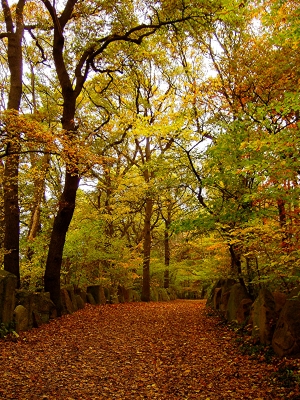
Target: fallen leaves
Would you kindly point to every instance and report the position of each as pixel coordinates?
(161, 351)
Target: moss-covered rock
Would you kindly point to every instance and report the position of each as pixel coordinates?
(90, 299)
(79, 301)
(21, 318)
(71, 292)
(286, 338)
(8, 284)
(39, 306)
(264, 316)
(219, 295)
(98, 294)
(237, 293)
(67, 304)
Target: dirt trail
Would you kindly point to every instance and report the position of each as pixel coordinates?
(149, 351)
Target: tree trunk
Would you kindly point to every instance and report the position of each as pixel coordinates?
(1, 208)
(283, 224)
(147, 250)
(236, 265)
(39, 192)
(66, 207)
(58, 237)
(11, 215)
(11, 169)
(167, 255)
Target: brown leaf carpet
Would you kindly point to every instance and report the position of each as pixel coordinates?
(165, 351)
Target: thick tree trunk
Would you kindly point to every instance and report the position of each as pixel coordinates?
(147, 250)
(58, 237)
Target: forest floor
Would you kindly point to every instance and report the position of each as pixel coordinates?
(167, 351)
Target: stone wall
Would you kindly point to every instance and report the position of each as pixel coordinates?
(274, 318)
(26, 309)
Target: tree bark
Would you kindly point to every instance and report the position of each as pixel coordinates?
(147, 250)
(167, 254)
(11, 169)
(67, 201)
(58, 237)
(39, 192)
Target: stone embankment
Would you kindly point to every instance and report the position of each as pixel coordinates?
(273, 317)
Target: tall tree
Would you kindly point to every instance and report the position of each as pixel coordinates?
(14, 24)
(72, 71)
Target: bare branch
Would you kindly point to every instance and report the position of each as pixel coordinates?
(44, 58)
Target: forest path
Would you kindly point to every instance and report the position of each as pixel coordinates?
(166, 351)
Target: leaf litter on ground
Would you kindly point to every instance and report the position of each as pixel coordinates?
(166, 350)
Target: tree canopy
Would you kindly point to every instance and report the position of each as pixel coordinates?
(149, 145)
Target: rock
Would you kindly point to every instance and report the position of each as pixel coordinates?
(90, 299)
(280, 299)
(97, 292)
(80, 302)
(38, 305)
(25, 299)
(226, 285)
(286, 338)
(243, 311)
(44, 306)
(8, 285)
(82, 293)
(237, 293)
(21, 318)
(71, 293)
(67, 305)
(215, 299)
(37, 320)
(264, 316)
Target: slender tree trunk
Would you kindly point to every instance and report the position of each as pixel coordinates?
(236, 265)
(147, 250)
(167, 255)
(283, 224)
(39, 192)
